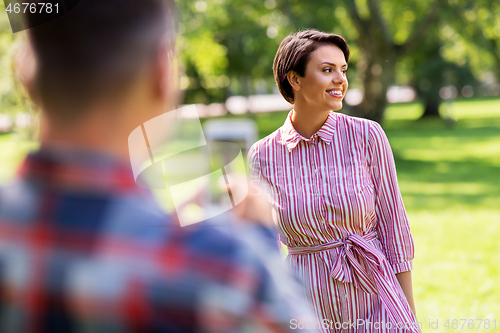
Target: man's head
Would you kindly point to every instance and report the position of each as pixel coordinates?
(96, 52)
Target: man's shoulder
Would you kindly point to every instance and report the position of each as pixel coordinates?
(19, 201)
(126, 226)
(25, 203)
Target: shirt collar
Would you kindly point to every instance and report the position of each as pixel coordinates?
(69, 167)
(291, 138)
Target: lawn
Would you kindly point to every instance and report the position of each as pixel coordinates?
(450, 181)
(449, 177)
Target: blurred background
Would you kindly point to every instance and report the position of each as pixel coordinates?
(428, 70)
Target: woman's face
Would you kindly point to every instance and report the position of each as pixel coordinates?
(324, 84)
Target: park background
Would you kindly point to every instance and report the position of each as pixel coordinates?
(445, 137)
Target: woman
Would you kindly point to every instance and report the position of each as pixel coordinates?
(336, 199)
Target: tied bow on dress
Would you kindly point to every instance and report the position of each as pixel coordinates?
(359, 262)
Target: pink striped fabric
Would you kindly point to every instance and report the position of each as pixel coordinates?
(338, 208)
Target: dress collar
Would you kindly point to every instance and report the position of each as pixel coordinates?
(291, 137)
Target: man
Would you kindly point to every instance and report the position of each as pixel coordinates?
(82, 247)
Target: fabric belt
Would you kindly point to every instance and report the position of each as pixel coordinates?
(357, 261)
(361, 263)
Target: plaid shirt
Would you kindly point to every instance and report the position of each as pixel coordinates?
(84, 249)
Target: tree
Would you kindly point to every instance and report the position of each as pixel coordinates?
(379, 32)
(227, 46)
(8, 95)
(475, 36)
(387, 31)
(464, 47)
(430, 72)
(246, 34)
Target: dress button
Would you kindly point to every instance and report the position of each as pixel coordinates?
(346, 296)
(318, 195)
(315, 170)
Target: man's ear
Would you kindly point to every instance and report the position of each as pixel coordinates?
(294, 80)
(25, 69)
(166, 75)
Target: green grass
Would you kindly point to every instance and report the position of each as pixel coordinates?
(449, 178)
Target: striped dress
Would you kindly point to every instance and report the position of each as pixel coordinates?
(338, 208)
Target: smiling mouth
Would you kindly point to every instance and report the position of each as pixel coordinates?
(335, 93)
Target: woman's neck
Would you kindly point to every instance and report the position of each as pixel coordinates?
(306, 121)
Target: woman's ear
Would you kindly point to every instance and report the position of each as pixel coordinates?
(293, 79)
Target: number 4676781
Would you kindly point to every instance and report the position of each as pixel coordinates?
(470, 324)
(33, 8)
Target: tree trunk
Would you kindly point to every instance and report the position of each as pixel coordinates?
(380, 54)
(431, 107)
(378, 73)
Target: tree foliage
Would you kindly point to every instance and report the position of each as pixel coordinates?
(227, 46)
(472, 31)
(418, 41)
(9, 97)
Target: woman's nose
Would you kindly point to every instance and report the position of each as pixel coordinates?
(339, 77)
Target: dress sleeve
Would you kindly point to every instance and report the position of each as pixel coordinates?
(393, 228)
(258, 185)
(254, 163)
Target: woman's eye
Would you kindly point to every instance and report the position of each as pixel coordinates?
(327, 70)
(344, 71)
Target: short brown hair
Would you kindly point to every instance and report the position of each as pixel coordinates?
(294, 53)
(96, 50)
